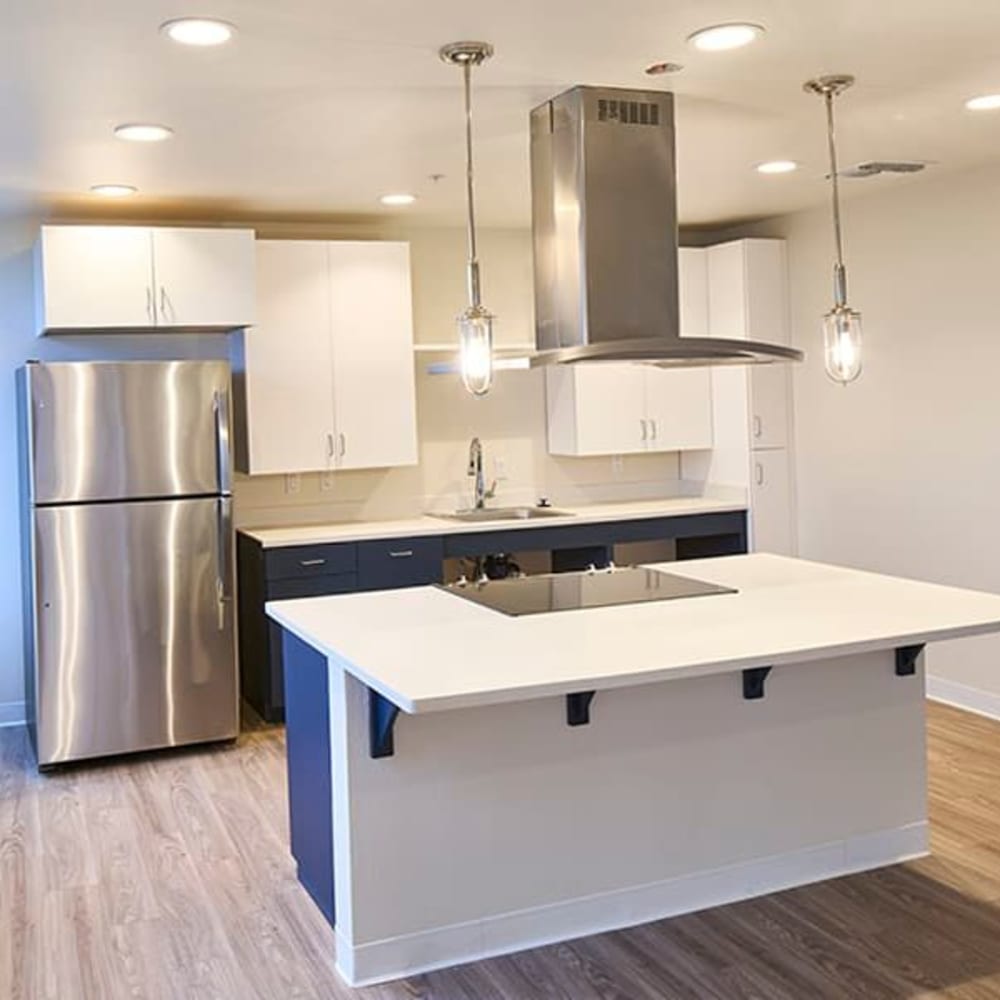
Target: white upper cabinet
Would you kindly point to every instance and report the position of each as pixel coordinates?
(748, 300)
(141, 278)
(692, 283)
(204, 277)
(678, 408)
(623, 409)
(373, 369)
(327, 375)
(287, 360)
(94, 277)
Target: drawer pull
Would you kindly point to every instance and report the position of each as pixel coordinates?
(312, 562)
(402, 554)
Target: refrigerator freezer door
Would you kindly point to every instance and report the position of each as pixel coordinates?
(134, 625)
(119, 431)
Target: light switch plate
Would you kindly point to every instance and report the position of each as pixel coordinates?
(617, 466)
(326, 482)
(293, 483)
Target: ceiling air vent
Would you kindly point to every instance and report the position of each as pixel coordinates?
(628, 112)
(872, 168)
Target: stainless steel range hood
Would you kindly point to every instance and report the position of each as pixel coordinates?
(604, 221)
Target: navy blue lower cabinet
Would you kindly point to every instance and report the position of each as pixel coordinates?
(387, 564)
(310, 784)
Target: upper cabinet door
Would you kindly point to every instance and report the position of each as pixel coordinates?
(769, 392)
(287, 362)
(692, 288)
(94, 277)
(374, 388)
(204, 278)
(596, 409)
(747, 291)
(678, 409)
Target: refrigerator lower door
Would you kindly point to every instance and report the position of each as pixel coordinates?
(134, 627)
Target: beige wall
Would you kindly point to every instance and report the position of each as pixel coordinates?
(510, 420)
(900, 472)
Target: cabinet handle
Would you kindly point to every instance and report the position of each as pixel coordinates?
(163, 302)
(758, 427)
(645, 432)
(652, 430)
(402, 554)
(343, 443)
(329, 446)
(312, 562)
(149, 304)
(759, 474)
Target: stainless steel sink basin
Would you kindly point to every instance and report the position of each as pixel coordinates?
(503, 514)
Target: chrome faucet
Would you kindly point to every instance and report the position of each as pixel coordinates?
(481, 493)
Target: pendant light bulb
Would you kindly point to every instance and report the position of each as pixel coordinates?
(842, 324)
(475, 324)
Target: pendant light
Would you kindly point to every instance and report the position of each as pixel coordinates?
(475, 324)
(841, 325)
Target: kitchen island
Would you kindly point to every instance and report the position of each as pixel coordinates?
(466, 783)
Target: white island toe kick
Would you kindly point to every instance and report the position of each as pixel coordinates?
(490, 824)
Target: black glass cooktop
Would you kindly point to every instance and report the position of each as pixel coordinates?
(539, 595)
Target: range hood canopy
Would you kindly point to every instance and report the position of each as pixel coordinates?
(604, 224)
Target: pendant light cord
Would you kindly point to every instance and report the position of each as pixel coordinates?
(839, 271)
(474, 290)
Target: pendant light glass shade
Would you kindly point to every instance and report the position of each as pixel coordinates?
(842, 344)
(475, 337)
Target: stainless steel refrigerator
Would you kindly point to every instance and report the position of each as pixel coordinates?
(128, 557)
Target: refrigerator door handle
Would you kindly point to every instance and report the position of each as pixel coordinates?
(223, 568)
(222, 456)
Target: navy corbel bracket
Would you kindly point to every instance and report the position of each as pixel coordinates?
(906, 660)
(381, 720)
(753, 682)
(578, 708)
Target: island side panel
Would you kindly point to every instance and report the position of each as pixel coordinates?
(498, 828)
(310, 795)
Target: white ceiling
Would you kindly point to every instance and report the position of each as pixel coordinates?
(318, 107)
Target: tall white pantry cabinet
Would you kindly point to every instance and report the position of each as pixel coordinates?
(326, 378)
(747, 297)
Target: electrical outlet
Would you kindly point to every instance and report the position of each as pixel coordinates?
(293, 483)
(326, 482)
(499, 467)
(617, 466)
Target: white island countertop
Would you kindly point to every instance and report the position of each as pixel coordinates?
(428, 650)
(427, 524)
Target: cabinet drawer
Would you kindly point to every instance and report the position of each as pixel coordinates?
(310, 560)
(311, 586)
(399, 562)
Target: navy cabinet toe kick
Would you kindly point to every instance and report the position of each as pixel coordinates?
(387, 563)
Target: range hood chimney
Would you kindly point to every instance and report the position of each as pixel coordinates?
(604, 222)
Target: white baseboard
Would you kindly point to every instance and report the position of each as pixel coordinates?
(963, 696)
(440, 947)
(11, 713)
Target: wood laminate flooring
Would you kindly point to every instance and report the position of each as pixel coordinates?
(169, 877)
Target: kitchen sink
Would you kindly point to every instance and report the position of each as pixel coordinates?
(503, 514)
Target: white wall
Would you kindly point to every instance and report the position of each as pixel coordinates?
(17, 344)
(900, 472)
(511, 420)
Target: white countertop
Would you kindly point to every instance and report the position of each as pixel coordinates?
(353, 531)
(428, 650)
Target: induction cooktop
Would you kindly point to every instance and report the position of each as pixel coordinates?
(546, 593)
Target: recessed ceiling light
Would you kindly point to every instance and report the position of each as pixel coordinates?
(136, 132)
(201, 31)
(988, 102)
(398, 199)
(720, 37)
(777, 167)
(114, 190)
